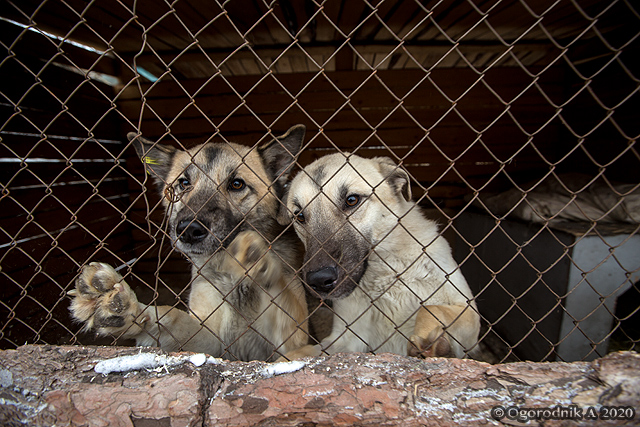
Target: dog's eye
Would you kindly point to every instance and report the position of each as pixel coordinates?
(183, 183)
(299, 216)
(237, 185)
(352, 201)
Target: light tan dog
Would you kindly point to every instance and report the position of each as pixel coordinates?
(221, 201)
(390, 276)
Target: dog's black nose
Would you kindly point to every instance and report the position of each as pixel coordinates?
(191, 231)
(322, 280)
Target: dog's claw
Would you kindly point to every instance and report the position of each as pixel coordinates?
(436, 345)
(102, 300)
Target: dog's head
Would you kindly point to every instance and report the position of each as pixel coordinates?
(215, 190)
(342, 206)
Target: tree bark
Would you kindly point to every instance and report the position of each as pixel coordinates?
(47, 385)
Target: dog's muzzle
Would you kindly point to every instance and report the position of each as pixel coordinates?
(328, 277)
(191, 231)
(203, 236)
(323, 280)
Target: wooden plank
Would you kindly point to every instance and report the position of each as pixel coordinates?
(346, 120)
(52, 86)
(502, 140)
(55, 18)
(44, 123)
(71, 193)
(54, 213)
(165, 25)
(326, 96)
(370, 97)
(22, 261)
(58, 261)
(38, 172)
(210, 20)
(453, 82)
(328, 21)
(59, 221)
(74, 243)
(29, 44)
(22, 144)
(39, 111)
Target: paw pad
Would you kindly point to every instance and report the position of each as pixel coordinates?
(102, 300)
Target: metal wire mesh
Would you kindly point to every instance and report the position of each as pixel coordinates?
(516, 122)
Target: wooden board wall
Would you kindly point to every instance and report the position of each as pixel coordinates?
(444, 127)
(454, 130)
(62, 206)
(81, 196)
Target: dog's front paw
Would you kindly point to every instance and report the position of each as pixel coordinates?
(435, 344)
(103, 301)
(304, 351)
(249, 254)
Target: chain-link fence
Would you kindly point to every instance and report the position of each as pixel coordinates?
(514, 122)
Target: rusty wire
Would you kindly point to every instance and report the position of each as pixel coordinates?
(64, 207)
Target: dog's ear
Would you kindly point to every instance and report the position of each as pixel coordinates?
(284, 217)
(397, 177)
(280, 154)
(156, 157)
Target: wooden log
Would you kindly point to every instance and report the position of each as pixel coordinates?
(46, 385)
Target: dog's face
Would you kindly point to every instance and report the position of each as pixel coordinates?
(342, 206)
(214, 191)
